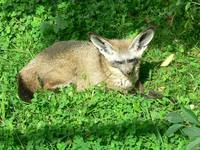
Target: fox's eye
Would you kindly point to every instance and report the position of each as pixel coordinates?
(119, 62)
(134, 60)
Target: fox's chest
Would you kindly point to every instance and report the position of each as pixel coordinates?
(116, 80)
(120, 83)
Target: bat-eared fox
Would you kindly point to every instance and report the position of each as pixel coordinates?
(116, 62)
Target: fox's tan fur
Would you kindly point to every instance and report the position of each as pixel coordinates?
(81, 63)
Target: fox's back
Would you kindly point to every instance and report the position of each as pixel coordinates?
(64, 53)
(79, 58)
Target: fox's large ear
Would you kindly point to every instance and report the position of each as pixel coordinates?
(141, 42)
(103, 46)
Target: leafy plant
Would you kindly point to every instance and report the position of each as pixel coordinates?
(187, 122)
(96, 118)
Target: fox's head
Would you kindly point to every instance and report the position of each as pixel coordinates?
(123, 54)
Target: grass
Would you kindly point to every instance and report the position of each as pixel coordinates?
(95, 118)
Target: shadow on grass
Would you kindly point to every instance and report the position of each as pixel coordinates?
(89, 132)
(146, 67)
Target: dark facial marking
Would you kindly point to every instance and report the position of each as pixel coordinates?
(120, 62)
(134, 60)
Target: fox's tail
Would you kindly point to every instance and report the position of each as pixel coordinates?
(23, 90)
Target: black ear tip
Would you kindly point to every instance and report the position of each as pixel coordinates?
(91, 34)
(150, 30)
